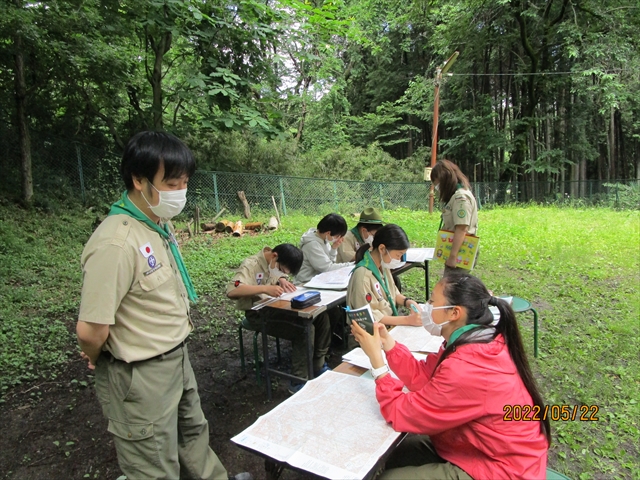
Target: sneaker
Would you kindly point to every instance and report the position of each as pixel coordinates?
(241, 476)
(295, 387)
(324, 368)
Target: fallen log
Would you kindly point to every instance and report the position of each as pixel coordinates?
(207, 227)
(237, 229)
(224, 226)
(253, 226)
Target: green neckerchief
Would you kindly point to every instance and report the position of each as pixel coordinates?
(356, 234)
(456, 334)
(125, 206)
(368, 263)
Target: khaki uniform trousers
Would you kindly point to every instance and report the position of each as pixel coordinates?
(416, 459)
(156, 419)
(320, 332)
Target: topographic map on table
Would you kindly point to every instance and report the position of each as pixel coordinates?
(332, 428)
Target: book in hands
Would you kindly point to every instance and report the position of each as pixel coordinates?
(362, 316)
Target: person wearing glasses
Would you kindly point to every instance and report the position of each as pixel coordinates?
(454, 410)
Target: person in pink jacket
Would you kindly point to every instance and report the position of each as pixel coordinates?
(455, 408)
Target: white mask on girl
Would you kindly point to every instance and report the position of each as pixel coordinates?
(427, 320)
(171, 202)
(392, 264)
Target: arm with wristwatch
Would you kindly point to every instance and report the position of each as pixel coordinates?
(370, 344)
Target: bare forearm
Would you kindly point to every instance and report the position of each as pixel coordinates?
(91, 338)
(458, 239)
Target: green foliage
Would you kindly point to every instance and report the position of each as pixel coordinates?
(39, 291)
(573, 264)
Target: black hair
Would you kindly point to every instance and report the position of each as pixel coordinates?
(448, 176)
(464, 290)
(146, 151)
(369, 227)
(289, 256)
(391, 236)
(334, 224)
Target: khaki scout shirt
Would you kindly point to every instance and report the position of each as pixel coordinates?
(131, 282)
(347, 249)
(253, 271)
(365, 289)
(461, 210)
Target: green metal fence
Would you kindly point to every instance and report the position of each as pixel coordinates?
(66, 169)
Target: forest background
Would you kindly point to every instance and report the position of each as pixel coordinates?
(543, 91)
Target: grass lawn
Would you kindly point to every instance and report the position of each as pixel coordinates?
(579, 267)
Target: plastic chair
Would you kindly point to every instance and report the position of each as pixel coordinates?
(553, 475)
(521, 305)
(256, 355)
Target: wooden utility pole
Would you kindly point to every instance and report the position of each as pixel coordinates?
(436, 107)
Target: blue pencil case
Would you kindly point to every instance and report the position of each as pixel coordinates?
(305, 300)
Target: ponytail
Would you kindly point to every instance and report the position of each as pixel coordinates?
(360, 252)
(467, 291)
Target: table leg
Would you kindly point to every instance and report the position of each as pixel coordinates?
(426, 280)
(273, 469)
(265, 358)
(309, 332)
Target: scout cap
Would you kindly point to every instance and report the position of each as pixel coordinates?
(370, 216)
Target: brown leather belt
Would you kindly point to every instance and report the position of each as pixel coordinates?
(110, 356)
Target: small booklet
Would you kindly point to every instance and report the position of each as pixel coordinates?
(363, 316)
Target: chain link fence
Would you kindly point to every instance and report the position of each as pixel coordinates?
(65, 170)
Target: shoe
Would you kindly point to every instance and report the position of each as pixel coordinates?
(324, 368)
(295, 387)
(241, 476)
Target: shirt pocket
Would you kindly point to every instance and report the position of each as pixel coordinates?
(152, 281)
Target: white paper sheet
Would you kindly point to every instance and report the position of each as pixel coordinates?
(419, 255)
(358, 358)
(331, 280)
(416, 339)
(332, 428)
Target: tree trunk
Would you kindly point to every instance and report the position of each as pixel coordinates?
(23, 122)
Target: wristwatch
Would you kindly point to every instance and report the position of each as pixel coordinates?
(378, 372)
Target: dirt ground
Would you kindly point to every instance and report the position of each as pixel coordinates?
(54, 429)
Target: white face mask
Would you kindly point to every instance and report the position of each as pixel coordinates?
(369, 239)
(171, 202)
(427, 320)
(392, 264)
(275, 272)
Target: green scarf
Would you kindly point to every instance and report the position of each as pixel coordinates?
(456, 334)
(124, 206)
(368, 263)
(356, 234)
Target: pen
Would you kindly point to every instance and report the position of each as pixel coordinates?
(414, 308)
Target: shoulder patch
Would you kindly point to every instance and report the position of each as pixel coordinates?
(368, 297)
(462, 213)
(236, 283)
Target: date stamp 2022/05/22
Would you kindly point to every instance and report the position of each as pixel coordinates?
(564, 413)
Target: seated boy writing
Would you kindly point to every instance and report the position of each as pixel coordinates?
(266, 274)
(320, 247)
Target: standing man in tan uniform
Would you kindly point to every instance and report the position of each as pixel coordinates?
(370, 222)
(266, 274)
(134, 320)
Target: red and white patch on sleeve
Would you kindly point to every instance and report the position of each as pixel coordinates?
(146, 250)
